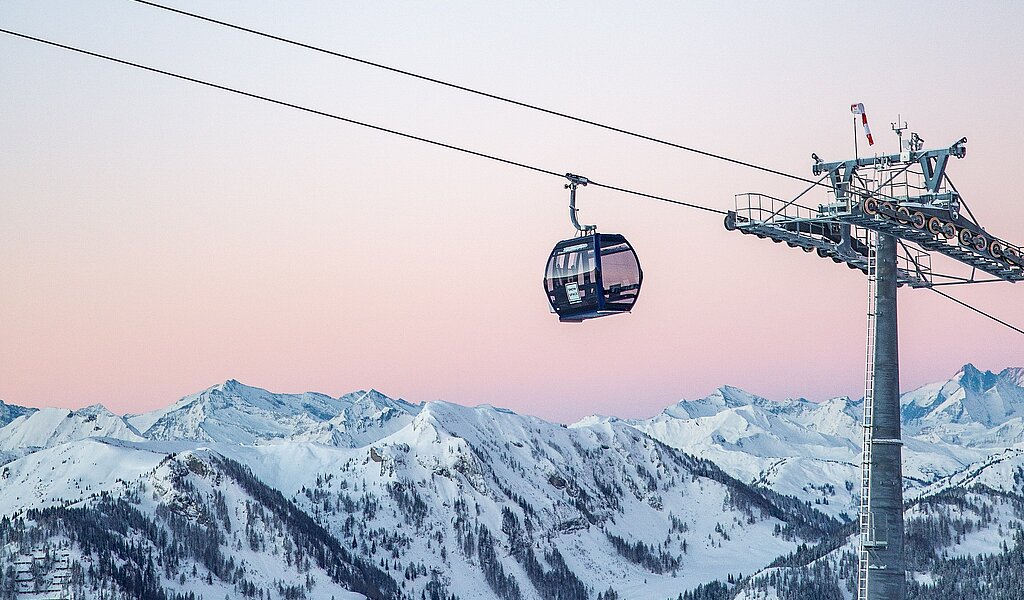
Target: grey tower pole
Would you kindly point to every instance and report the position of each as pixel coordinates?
(883, 542)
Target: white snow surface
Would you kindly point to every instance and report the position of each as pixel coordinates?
(812, 450)
(10, 412)
(971, 397)
(975, 498)
(239, 414)
(71, 472)
(53, 426)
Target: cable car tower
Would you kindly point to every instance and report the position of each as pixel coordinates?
(886, 215)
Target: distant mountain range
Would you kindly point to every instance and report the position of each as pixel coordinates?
(711, 496)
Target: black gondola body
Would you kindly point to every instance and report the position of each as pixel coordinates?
(592, 276)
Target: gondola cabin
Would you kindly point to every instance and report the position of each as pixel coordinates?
(592, 276)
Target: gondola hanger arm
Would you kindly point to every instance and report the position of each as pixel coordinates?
(574, 182)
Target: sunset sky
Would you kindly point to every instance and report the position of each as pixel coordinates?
(158, 237)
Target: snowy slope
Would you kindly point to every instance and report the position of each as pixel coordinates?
(812, 450)
(367, 417)
(71, 472)
(970, 402)
(723, 398)
(214, 531)
(975, 516)
(235, 413)
(53, 426)
(454, 464)
(10, 412)
(763, 447)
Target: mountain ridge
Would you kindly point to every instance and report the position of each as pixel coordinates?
(481, 501)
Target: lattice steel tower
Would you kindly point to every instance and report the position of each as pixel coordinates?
(885, 215)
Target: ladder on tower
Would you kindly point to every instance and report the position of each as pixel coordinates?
(866, 541)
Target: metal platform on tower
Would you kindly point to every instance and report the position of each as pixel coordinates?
(906, 195)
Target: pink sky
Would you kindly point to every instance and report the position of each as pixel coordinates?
(157, 237)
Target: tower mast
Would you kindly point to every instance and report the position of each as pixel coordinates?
(881, 568)
(887, 215)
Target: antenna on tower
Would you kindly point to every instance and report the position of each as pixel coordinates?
(899, 127)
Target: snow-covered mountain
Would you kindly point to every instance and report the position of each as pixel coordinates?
(53, 426)
(964, 539)
(313, 495)
(9, 412)
(812, 450)
(972, 408)
(477, 502)
(367, 417)
(236, 413)
(763, 443)
(232, 412)
(970, 396)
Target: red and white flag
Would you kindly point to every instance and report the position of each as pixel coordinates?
(858, 109)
